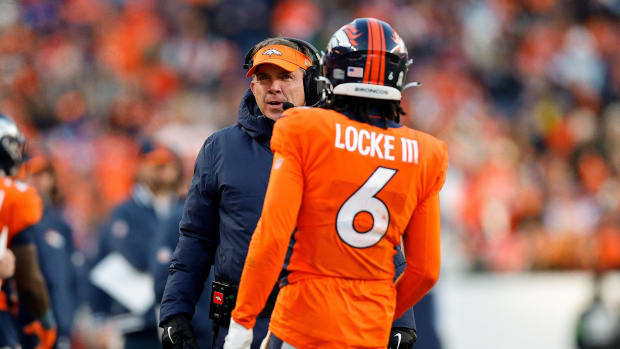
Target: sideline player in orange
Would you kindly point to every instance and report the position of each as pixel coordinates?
(347, 183)
(20, 210)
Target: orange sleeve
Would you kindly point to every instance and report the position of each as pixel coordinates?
(439, 166)
(421, 240)
(422, 252)
(272, 235)
(27, 211)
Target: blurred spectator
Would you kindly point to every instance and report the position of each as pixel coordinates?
(133, 226)
(55, 249)
(163, 247)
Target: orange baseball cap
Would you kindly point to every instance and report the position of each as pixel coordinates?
(283, 56)
(158, 156)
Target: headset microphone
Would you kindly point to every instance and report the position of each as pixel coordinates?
(287, 105)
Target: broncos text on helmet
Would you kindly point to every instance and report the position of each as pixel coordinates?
(11, 146)
(366, 58)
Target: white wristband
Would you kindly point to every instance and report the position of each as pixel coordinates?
(238, 336)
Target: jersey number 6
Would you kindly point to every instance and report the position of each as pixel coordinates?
(364, 201)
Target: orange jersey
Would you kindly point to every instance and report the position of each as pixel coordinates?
(20, 206)
(351, 189)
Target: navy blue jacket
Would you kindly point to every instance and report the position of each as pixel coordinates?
(131, 231)
(55, 248)
(54, 241)
(222, 208)
(164, 244)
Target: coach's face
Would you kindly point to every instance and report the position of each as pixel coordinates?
(273, 86)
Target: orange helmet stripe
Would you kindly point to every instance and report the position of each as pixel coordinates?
(368, 65)
(376, 46)
(381, 76)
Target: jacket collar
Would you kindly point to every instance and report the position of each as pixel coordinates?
(252, 120)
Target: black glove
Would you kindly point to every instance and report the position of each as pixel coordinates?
(178, 333)
(402, 338)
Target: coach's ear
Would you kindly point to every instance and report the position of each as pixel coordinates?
(252, 84)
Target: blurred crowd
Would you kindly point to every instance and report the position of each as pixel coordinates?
(525, 93)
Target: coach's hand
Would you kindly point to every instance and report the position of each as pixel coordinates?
(402, 338)
(178, 333)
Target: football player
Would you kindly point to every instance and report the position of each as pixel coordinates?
(20, 211)
(348, 183)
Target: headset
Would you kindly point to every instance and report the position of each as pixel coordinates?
(313, 90)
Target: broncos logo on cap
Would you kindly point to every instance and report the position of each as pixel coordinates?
(272, 51)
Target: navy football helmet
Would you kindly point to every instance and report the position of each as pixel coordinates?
(12, 144)
(366, 58)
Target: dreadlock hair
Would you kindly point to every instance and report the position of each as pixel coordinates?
(360, 108)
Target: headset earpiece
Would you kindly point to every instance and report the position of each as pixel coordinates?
(311, 86)
(248, 61)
